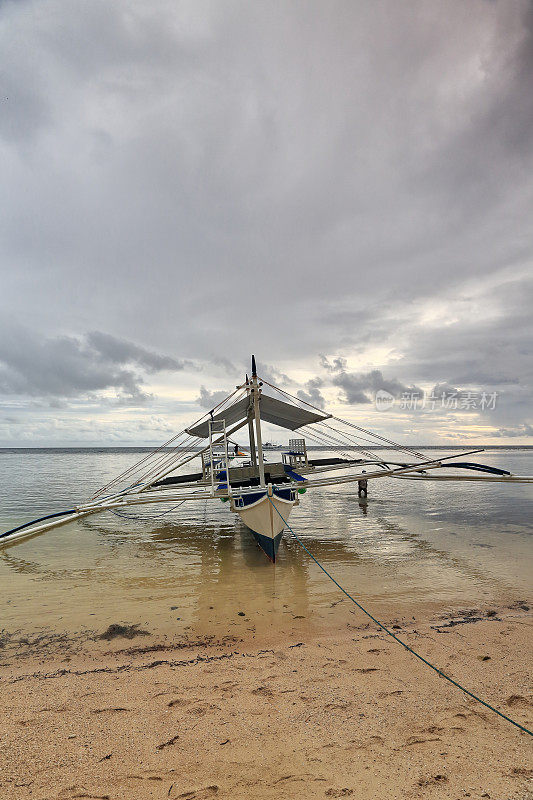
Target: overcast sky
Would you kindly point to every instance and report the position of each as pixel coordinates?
(343, 188)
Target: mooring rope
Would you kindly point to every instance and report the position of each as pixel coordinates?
(393, 635)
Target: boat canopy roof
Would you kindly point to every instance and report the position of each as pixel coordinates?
(285, 415)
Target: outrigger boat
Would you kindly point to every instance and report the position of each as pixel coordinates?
(262, 493)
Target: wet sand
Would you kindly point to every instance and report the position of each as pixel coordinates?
(311, 711)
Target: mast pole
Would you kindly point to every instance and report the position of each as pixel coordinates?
(253, 454)
(256, 393)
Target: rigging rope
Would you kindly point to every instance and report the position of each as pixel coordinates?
(393, 444)
(178, 451)
(170, 465)
(390, 442)
(131, 470)
(396, 638)
(336, 443)
(322, 441)
(164, 452)
(326, 438)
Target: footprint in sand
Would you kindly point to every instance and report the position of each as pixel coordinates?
(522, 772)
(433, 729)
(417, 740)
(362, 745)
(198, 794)
(432, 780)
(108, 710)
(201, 710)
(517, 700)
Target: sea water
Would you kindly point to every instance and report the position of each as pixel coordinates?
(410, 544)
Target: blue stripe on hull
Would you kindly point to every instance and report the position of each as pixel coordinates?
(252, 497)
(268, 545)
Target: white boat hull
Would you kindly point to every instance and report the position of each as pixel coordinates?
(260, 515)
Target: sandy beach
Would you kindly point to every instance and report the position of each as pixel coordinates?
(334, 711)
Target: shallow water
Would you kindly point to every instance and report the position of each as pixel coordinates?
(411, 544)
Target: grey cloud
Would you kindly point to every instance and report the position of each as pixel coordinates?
(134, 396)
(119, 351)
(481, 340)
(228, 366)
(444, 390)
(57, 402)
(360, 387)
(518, 431)
(311, 393)
(336, 365)
(488, 352)
(272, 374)
(69, 367)
(209, 399)
(501, 120)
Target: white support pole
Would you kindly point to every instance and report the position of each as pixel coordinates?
(226, 455)
(256, 394)
(211, 458)
(251, 437)
(253, 454)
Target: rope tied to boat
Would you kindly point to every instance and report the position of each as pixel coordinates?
(397, 638)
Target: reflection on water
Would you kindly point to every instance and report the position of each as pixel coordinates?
(409, 543)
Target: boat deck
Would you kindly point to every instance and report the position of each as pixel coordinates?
(249, 475)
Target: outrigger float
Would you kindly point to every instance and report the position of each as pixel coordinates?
(260, 492)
